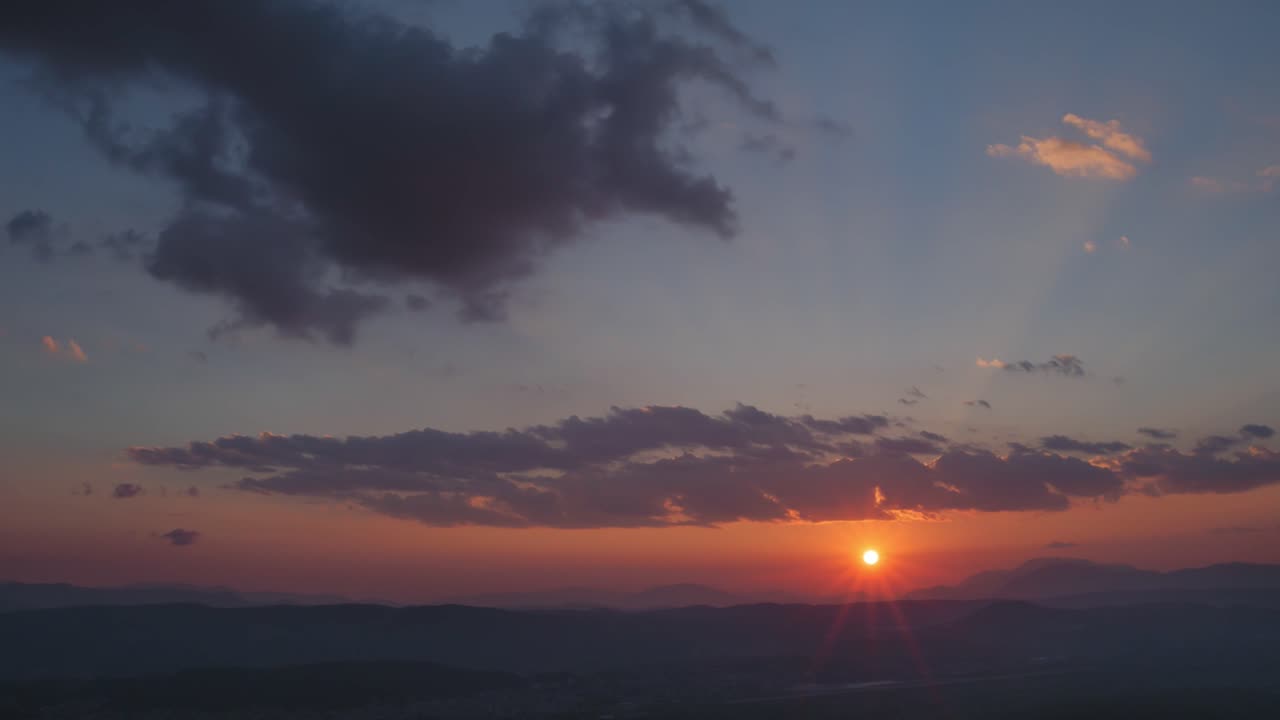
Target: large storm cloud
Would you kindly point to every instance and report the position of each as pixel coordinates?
(333, 154)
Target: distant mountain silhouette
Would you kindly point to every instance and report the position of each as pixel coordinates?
(1081, 582)
(655, 598)
(34, 596)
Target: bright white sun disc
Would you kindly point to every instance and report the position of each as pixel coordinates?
(871, 557)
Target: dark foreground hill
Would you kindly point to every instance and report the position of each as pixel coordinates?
(123, 641)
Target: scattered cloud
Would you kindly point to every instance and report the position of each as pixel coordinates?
(1071, 158)
(1090, 246)
(180, 537)
(1172, 471)
(1111, 135)
(978, 403)
(1062, 443)
(32, 229)
(915, 392)
(1261, 432)
(1060, 545)
(1158, 433)
(125, 245)
(1214, 444)
(652, 466)
(124, 491)
(769, 145)
(907, 401)
(305, 222)
(1265, 182)
(1067, 365)
(658, 466)
(75, 352)
(70, 349)
(1124, 242)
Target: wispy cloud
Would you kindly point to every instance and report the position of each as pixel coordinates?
(75, 352)
(1111, 135)
(1158, 433)
(1063, 364)
(70, 349)
(180, 537)
(1072, 158)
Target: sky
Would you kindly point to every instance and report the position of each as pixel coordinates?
(413, 300)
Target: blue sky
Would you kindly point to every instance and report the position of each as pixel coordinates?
(892, 256)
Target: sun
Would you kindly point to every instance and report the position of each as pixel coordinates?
(870, 557)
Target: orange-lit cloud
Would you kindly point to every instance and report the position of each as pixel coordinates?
(75, 352)
(1067, 158)
(1071, 158)
(1090, 246)
(992, 363)
(71, 349)
(1110, 134)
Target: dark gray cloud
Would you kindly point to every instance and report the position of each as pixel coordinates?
(1060, 545)
(1261, 432)
(979, 403)
(908, 445)
(662, 465)
(416, 303)
(1171, 471)
(1066, 365)
(125, 245)
(1158, 433)
(333, 150)
(181, 537)
(32, 229)
(907, 401)
(742, 464)
(853, 424)
(1062, 443)
(1215, 444)
(770, 145)
(915, 392)
(125, 491)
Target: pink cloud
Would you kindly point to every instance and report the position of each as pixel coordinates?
(76, 353)
(71, 349)
(1110, 134)
(1072, 158)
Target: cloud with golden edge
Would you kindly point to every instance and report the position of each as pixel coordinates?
(1072, 158)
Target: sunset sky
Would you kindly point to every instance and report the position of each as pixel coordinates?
(414, 300)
